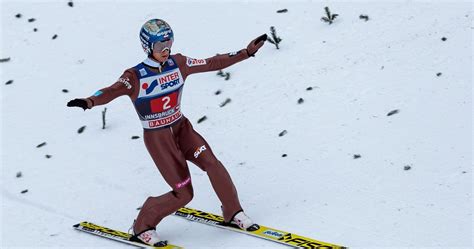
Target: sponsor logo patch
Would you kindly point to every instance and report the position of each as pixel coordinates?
(169, 80)
(164, 33)
(202, 220)
(163, 121)
(183, 183)
(233, 53)
(144, 35)
(273, 233)
(142, 72)
(300, 241)
(165, 81)
(126, 82)
(199, 151)
(150, 87)
(195, 62)
(98, 93)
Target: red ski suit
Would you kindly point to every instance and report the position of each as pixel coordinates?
(155, 90)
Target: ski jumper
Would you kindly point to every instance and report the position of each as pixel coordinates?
(155, 90)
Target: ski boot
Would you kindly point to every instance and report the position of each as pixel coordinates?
(149, 237)
(244, 222)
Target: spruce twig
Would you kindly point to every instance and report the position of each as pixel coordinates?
(81, 130)
(329, 18)
(364, 17)
(227, 101)
(103, 118)
(275, 39)
(226, 76)
(201, 119)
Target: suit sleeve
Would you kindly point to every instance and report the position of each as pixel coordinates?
(190, 66)
(125, 85)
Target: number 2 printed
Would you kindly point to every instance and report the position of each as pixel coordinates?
(164, 103)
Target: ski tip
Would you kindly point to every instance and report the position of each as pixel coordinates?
(76, 226)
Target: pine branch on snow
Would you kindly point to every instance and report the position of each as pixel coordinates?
(227, 101)
(41, 145)
(225, 75)
(201, 119)
(329, 18)
(393, 112)
(275, 39)
(81, 130)
(103, 118)
(281, 134)
(364, 17)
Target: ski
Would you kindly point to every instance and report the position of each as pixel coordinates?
(115, 235)
(264, 232)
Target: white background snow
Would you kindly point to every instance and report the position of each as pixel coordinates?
(359, 72)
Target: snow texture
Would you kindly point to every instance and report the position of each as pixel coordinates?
(352, 175)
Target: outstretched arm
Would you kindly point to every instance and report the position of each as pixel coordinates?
(123, 86)
(189, 66)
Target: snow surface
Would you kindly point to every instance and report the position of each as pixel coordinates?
(359, 71)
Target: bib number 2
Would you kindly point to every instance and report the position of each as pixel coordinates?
(164, 103)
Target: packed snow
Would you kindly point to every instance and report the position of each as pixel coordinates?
(375, 117)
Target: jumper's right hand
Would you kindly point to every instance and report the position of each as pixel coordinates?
(256, 44)
(79, 103)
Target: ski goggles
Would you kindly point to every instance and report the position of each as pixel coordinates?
(161, 46)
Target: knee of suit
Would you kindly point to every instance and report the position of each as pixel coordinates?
(150, 203)
(184, 194)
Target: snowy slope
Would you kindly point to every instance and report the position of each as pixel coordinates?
(359, 72)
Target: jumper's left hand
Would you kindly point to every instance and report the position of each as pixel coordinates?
(254, 45)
